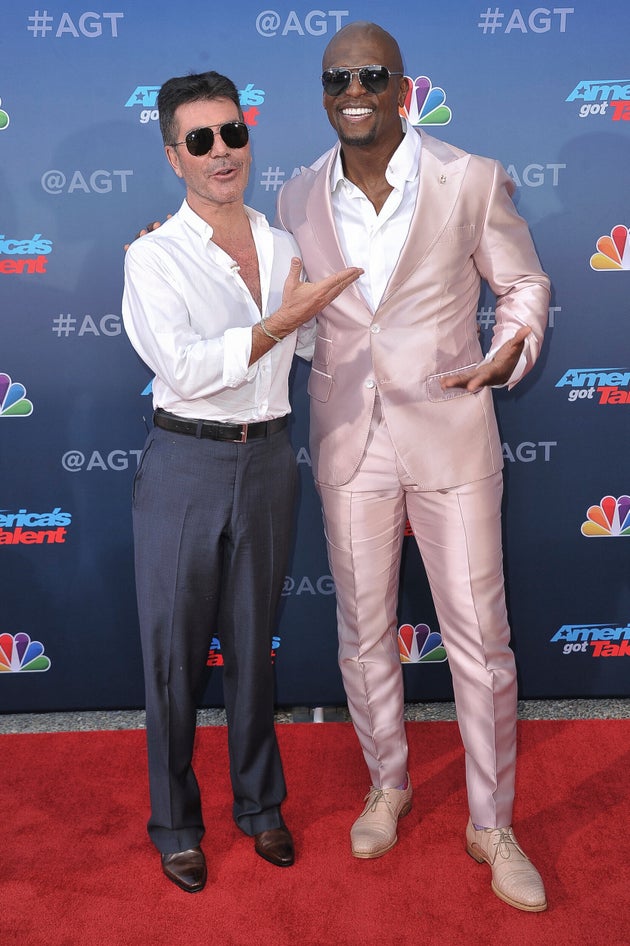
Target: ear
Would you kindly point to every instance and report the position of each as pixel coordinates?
(173, 159)
(402, 91)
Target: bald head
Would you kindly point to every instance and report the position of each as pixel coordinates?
(350, 46)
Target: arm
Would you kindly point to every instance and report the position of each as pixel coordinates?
(189, 359)
(158, 323)
(507, 259)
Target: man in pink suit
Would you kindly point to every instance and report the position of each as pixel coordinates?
(403, 425)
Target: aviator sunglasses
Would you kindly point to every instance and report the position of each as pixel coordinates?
(201, 140)
(372, 78)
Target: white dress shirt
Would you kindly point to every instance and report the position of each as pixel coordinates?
(370, 240)
(189, 316)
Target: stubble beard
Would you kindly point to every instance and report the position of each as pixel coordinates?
(368, 138)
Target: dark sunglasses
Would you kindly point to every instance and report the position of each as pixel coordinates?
(372, 78)
(201, 140)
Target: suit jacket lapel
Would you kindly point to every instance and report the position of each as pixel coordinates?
(319, 215)
(441, 175)
(322, 230)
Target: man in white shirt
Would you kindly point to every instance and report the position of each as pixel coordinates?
(214, 305)
(403, 426)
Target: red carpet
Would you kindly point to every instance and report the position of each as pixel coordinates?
(77, 869)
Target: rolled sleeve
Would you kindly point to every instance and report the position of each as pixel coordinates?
(237, 349)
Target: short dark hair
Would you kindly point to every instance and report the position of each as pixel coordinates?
(192, 88)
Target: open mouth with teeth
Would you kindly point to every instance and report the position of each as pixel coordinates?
(356, 113)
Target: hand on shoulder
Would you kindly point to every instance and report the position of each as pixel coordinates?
(148, 229)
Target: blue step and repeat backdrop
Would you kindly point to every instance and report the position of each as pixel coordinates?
(545, 89)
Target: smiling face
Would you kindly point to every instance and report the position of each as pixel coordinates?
(359, 117)
(219, 177)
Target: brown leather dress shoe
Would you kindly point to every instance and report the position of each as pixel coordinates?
(187, 869)
(276, 846)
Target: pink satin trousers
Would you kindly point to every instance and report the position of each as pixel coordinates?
(458, 532)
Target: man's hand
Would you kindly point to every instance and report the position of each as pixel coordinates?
(147, 229)
(497, 371)
(302, 300)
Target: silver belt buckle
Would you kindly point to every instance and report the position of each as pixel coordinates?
(243, 437)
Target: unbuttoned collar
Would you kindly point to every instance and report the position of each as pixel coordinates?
(403, 166)
(205, 231)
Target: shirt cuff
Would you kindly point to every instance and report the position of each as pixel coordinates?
(520, 367)
(237, 349)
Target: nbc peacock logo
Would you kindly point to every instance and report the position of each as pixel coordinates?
(19, 654)
(4, 118)
(609, 519)
(425, 103)
(12, 400)
(420, 645)
(613, 252)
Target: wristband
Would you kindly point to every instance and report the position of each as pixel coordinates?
(267, 332)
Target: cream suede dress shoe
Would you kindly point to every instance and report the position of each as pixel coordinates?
(514, 878)
(374, 831)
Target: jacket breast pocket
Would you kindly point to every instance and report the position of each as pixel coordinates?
(435, 391)
(319, 385)
(463, 234)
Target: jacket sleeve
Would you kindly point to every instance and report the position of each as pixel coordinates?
(506, 258)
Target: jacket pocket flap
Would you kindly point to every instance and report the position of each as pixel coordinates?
(435, 391)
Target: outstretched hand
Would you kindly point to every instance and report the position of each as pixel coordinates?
(148, 229)
(302, 300)
(497, 371)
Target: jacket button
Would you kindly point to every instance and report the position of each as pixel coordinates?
(375, 329)
(370, 383)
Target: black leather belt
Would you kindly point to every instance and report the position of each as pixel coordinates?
(216, 430)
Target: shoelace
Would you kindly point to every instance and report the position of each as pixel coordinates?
(377, 795)
(506, 840)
